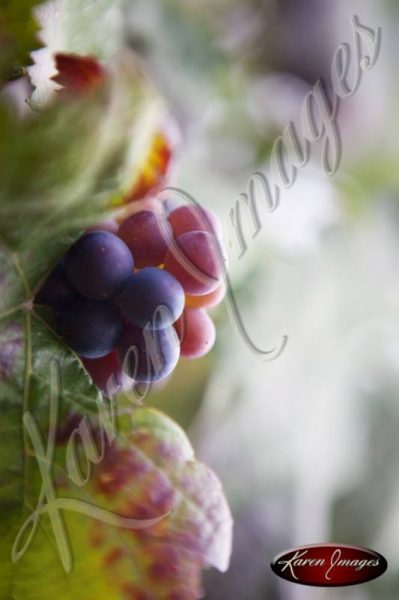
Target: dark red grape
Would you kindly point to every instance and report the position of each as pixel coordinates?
(194, 218)
(147, 236)
(56, 291)
(91, 328)
(195, 261)
(148, 355)
(196, 332)
(67, 426)
(98, 265)
(106, 372)
(151, 296)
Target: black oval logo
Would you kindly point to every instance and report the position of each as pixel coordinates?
(329, 565)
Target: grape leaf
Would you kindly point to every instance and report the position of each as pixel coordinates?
(18, 36)
(78, 27)
(148, 471)
(60, 171)
(153, 164)
(82, 27)
(66, 169)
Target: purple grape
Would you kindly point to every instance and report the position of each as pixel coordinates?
(148, 355)
(91, 328)
(151, 296)
(56, 291)
(98, 265)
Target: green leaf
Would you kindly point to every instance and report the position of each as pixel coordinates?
(18, 36)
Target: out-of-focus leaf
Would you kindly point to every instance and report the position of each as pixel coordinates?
(74, 27)
(78, 74)
(153, 156)
(18, 36)
(147, 472)
(67, 168)
(153, 170)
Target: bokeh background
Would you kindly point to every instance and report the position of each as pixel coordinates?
(307, 446)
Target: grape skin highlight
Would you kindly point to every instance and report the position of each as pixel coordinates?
(148, 355)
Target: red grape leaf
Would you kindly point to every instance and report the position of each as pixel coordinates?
(154, 167)
(78, 74)
(148, 472)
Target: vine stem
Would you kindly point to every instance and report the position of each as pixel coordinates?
(25, 405)
(26, 308)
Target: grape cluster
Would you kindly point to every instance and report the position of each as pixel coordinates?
(131, 300)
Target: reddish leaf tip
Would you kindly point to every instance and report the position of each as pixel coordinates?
(78, 74)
